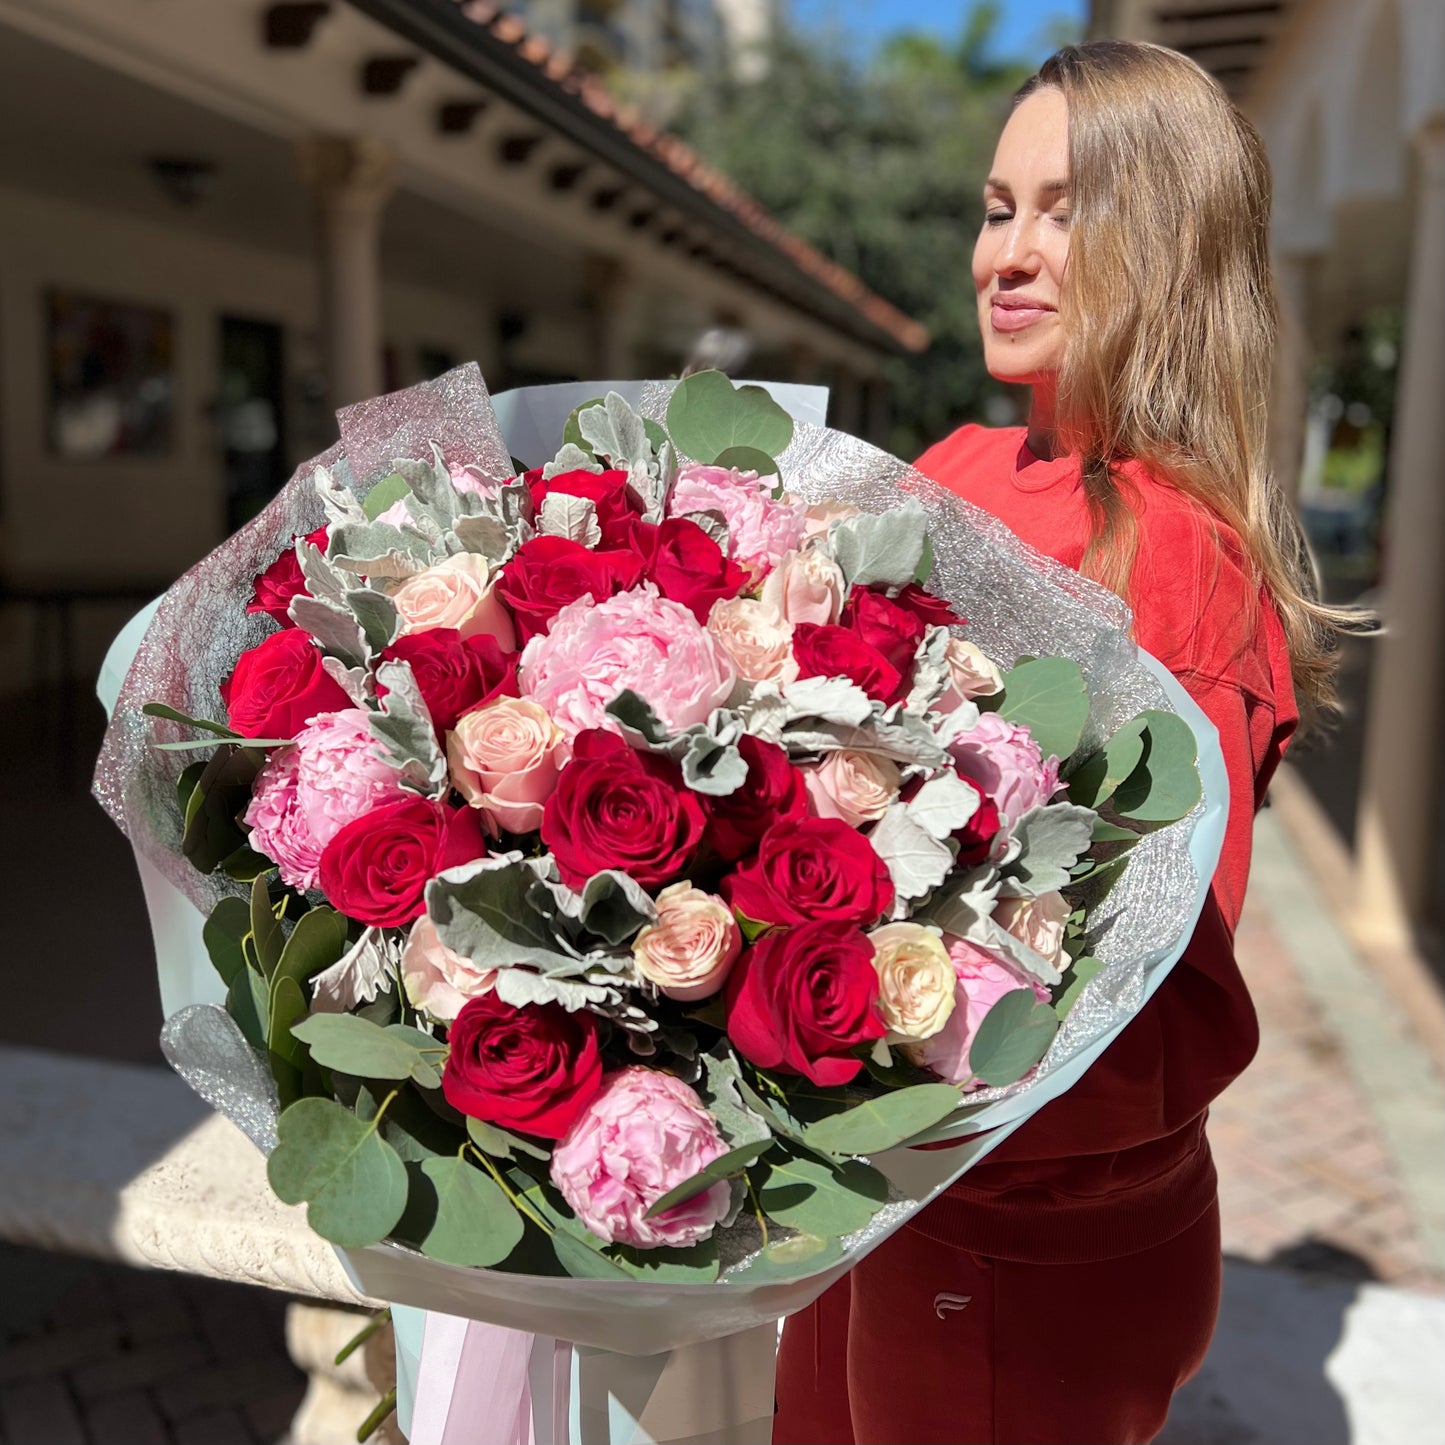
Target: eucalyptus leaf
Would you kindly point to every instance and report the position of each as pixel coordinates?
(707, 415)
(228, 924)
(501, 1143)
(1165, 786)
(884, 1122)
(476, 1224)
(353, 1181)
(725, 1166)
(266, 938)
(692, 1264)
(248, 1001)
(288, 1058)
(1014, 1035)
(1077, 979)
(317, 941)
(357, 1046)
(1047, 696)
(819, 1198)
(1096, 778)
(794, 1258)
(582, 1261)
(387, 492)
(170, 714)
(220, 796)
(747, 459)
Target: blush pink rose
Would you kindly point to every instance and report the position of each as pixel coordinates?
(756, 637)
(818, 519)
(306, 793)
(635, 640)
(1006, 764)
(1038, 922)
(642, 1135)
(760, 529)
(806, 586)
(983, 979)
(437, 979)
(504, 758)
(687, 953)
(971, 674)
(459, 593)
(854, 786)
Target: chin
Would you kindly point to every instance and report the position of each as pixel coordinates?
(1015, 367)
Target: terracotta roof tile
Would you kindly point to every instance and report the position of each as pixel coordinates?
(561, 69)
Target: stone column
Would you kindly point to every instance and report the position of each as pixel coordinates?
(607, 295)
(351, 180)
(1289, 397)
(1398, 825)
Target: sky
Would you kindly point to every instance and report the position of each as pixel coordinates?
(1022, 29)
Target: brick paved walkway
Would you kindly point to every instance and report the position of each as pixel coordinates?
(94, 1354)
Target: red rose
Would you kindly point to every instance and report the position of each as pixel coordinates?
(924, 605)
(278, 685)
(976, 836)
(454, 675)
(892, 630)
(772, 792)
(532, 1069)
(282, 580)
(616, 808)
(812, 869)
(829, 651)
(376, 868)
(686, 564)
(805, 1000)
(549, 572)
(608, 491)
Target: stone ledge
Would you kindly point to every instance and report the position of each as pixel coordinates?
(123, 1162)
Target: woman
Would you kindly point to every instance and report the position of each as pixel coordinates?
(1069, 1283)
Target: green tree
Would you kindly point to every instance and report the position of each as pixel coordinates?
(879, 164)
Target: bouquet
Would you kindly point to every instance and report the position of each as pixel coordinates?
(613, 865)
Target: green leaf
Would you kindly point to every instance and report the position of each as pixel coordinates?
(1100, 774)
(358, 1046)
(924, 570)
(881, 1123)
(751, 929)
(693, 1264)
(219, 798)
(431, 1053)
(159, 709)
(707, 414)
(1083, 970)
(582, 1261)
(266, 939)
(1047, 696)
(186, 783)
(572, 433)
(351, 1179)
(409, 1125)
(249, 1003)
(815, 1197)
(246, 865)
(229, 923)
(476, 1224)
(1104, 832)
(747, 459)
(725, 1166)
(288, 1058)
(720, 1089)
(384, 494)
(1165, 786)
(803, 1254)
(317, 941)
(1014, 1035)
(500, 1143)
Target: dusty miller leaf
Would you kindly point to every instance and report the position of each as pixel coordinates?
(1051, 840)
(574, 518)
(880, 547)
(404, 733)
(570, 459)
(943, 805)
(916, 862)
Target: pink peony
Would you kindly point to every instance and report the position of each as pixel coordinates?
(983, 979)
(635, 640)
(760, 529)
(644, 1134)
(1006, 764)
(306, 793)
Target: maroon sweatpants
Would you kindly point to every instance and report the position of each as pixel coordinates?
(924, 1343)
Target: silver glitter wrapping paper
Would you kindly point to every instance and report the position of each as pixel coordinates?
(1016, 601)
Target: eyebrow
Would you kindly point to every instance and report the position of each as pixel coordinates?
(1003, 187)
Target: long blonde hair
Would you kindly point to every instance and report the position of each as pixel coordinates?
(1170, 316)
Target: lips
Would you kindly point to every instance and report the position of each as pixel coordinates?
(1016, 314)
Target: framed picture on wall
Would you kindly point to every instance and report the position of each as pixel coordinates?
(112, 382)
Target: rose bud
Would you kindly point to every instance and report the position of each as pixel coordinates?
(970, 674)
(687, 953)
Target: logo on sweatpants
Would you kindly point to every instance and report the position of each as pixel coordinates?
(944, 1302)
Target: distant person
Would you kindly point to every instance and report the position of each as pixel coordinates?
(1065, 1288)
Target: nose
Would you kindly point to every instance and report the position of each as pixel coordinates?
(1018, 253)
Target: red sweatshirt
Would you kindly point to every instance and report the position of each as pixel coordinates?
(1120, 1162)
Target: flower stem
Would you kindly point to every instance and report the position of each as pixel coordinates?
(376, 1322)
(518, 1203)
(758, 1209)
(372, 1423)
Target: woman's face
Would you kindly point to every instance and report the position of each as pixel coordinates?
(1018, 263)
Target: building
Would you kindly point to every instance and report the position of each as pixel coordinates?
(1349, 96)
(222, 219)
